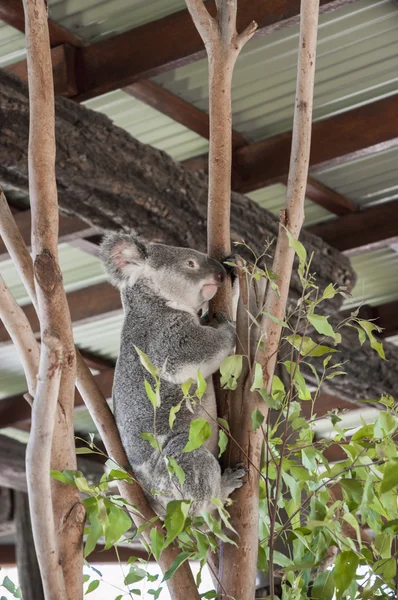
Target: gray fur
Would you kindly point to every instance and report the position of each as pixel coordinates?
(162, 291)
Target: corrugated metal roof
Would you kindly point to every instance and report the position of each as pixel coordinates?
(79, 270)
(356, 63)
(366, 180)
(273, 199)
(149, 125)
(377, 278)
(93, 19)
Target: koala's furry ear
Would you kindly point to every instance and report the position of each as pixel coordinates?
(124, 256)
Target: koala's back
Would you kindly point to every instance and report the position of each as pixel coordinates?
(148, 325)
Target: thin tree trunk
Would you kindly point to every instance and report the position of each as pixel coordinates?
(28, 567)
(55, 322)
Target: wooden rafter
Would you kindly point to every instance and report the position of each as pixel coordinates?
(70, 228)
(177, 109)
(11, 12)
(15, 411)
(355, 133)
(364, 230)
(86, 305)
(165, 44)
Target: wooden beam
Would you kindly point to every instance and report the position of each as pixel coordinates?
(98, 556)
(364, 230)
(13, 470)
(11, 12)
(355, 133)
(70, 228)
(86, 305)
(384, 315)
(334, 202)
(94, 361)
(63, 62)
(15, 411)
(162, 45)
(177, 109)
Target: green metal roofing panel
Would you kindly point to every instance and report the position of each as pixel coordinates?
(356, 63)
(79, 270)
(101, 337)
(273, 199)
(94, 19)
(12, 45)
(367, 180)
(149, 125)
(377, 278)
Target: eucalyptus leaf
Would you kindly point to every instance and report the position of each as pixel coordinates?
(199, 432)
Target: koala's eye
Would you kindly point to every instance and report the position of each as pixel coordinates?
(191, 264)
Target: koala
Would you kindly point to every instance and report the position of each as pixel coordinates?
(163, 289)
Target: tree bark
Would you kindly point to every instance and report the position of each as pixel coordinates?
(115, 182)
(27, 565)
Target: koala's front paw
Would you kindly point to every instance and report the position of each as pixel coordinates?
(221, 318)
(232, 479)
(231, 268)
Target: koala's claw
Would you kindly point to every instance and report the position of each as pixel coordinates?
(220, 317)
(232, 479)
(231, 269)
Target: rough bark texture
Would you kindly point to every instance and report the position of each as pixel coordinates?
(113, 181)
(28, 568)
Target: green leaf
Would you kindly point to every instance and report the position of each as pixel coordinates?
(299, 250)
(307, 347)
(186, 386)
(223, 423)
(385, 568)
(134, 575)
(386, 424)
(176, 514)
(321, 325)
(157, 540)
(323, 587)
(201, 385)
(174, 469)
(147, 363)
(344, 570)
(329, 292)
(308, 456)
(281, 559)
(299, 381)
(258, 382)
(390, 477)
(9, 585)
(85, 451)
(181, 558)
(276, 320)
(222, 442)
(199, 432)
(257, 419)
(351, 520)
(95, 532)
(230, 370)
(173, 413)
(154, 396)
(119, 522)
(369, 327)
(93, 586)
(152, 440)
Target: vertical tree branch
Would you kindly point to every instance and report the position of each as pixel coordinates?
(53, 310)
(240, 583)
(182, 584)
(38, 471)
(223, 45)
(21, 333)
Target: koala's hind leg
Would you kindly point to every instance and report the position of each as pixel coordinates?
(203, 479)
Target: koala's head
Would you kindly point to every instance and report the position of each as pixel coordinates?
(182, 276)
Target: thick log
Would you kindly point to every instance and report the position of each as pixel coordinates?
(28, 568)
(113, 181)
(13, 471)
